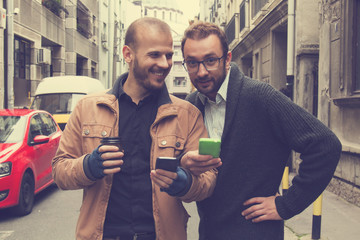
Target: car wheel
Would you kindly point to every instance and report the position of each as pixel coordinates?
(26, 197)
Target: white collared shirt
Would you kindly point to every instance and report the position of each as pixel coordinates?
(215, 111)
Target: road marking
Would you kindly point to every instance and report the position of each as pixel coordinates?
(5, 234)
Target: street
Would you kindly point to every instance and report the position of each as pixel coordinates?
(55, 214)
(54, 217)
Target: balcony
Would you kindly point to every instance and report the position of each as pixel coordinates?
(232, 28)
(83, 20)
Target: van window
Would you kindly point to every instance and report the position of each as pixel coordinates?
(57, 103)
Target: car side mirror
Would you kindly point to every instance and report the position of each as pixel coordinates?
(40, 139)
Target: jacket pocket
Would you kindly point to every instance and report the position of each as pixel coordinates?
(170, 146)
(92, 134)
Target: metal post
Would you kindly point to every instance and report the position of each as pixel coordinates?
(285, 180)
(316, 224)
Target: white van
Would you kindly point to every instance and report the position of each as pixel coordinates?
(59, 95)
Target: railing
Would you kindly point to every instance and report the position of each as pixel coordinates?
(232, 29)
(83, 29)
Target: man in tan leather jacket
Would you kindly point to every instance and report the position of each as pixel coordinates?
(118, 192)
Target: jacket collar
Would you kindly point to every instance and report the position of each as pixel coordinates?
(162, 95)
(236, 81)
(234, 87)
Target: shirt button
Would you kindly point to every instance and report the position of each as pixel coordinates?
(86, 131)
(163, 142)
(177, 144)
(103, 133)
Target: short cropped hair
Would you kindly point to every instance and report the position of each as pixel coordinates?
(201, 30)
(145, 22)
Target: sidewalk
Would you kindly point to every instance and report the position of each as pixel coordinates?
(340, 220)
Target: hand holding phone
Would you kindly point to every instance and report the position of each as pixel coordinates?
(167, 163)
(209, 146)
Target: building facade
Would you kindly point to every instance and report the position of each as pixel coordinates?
(339, 87)
(50, 38)
(108, 40)
(309, 50)
(75, 37)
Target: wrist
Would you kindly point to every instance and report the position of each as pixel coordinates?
(87, 170)
(181, 184)
(94, 164)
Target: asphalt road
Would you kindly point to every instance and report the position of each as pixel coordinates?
(54, 217)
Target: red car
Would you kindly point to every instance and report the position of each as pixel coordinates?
(28, 142)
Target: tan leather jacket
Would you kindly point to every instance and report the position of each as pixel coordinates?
(176, 129)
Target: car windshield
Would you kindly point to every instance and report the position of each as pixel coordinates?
(56, 103)
(12, 129)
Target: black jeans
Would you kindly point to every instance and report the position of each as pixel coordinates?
(136, 236)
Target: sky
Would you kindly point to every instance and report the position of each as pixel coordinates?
(189, 7)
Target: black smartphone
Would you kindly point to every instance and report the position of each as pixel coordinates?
(167, 163)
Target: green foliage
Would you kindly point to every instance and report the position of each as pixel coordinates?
(54, 6)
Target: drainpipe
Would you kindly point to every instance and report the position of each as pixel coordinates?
(10, 54)
(290, 70)
(290, 48)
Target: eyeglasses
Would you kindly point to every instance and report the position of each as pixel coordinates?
(210, 64)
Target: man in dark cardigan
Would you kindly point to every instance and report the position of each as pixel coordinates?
(258, 126)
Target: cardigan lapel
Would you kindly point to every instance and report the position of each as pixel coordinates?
(232, 98)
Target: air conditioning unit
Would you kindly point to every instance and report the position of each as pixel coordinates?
(44, 56)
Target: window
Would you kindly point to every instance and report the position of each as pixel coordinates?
(94, 26)
(242, 16)
(35, 127)
(22, 56)
(179, 81)
(257, 5)
(48, 127)
(12, 129)
(83, 20)
(230, 30)
(346, 90)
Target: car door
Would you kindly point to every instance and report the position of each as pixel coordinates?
(50, 129)
(38, 154)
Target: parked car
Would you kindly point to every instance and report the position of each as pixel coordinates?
(28, 142)
(59, 95)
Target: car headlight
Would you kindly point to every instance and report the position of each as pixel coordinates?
(5, 169)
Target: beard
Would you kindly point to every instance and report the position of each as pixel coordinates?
(215, 83)
(142, 77)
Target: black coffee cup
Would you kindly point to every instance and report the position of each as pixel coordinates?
(115, 141)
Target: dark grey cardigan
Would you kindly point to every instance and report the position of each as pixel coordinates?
(262, 126)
